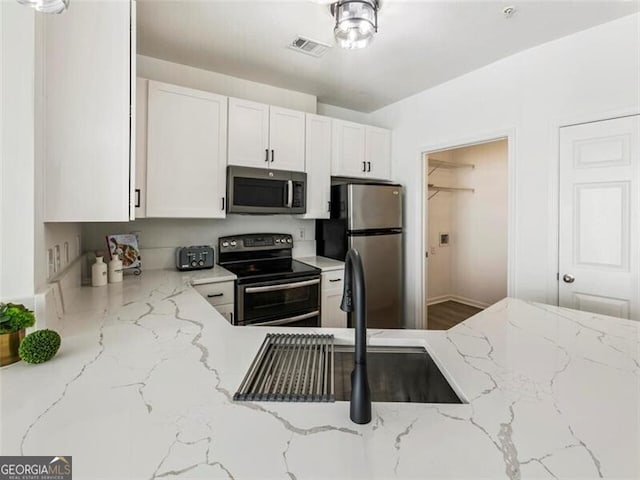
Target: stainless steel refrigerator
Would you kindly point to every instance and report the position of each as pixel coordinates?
(368, 217)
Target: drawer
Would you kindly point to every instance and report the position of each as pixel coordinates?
(227, 311)
(333, 280)
(217, 293)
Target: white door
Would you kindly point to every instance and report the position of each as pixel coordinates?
(348, 159)
(186, 152)
(286, 139)
(248, 133)
(599, 209)
(318, 166)
(378, 153)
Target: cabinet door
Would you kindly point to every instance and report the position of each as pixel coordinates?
(348, 157)
(332, 289)
(248, 133)
(318, 166)
(378, 153)
(140, 191)
(88, 91)
(226, 311)
(186, 151)
(286, 139)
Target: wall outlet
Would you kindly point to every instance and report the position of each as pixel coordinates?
(433, 251)
(67, 257)
(57, 258)
(301, 233)
(51, 266)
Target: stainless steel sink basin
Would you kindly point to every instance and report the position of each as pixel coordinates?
(396, 374)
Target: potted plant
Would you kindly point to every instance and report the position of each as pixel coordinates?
(14, 319)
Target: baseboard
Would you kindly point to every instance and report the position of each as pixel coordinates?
(469, 301)
(456, 298)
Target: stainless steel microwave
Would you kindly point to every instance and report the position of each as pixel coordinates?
(267, 192)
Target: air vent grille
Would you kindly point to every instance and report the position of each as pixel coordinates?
(309, 47)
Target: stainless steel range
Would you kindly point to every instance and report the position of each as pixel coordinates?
(272, 288)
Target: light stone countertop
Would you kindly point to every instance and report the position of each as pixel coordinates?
(142, 388)
(323, 263)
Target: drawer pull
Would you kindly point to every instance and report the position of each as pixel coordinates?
(214, 295)
(335, 280)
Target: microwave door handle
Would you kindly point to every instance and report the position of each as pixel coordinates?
(285, 321)
(289, 194)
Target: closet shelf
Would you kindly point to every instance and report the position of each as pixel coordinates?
(437, 189)
(435, 164)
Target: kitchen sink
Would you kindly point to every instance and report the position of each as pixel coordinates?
(312, 368)
(396, 374)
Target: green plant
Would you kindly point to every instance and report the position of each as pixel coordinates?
(39, 346)
(14, 317)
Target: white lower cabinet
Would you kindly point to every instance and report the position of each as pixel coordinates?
(332, 287)
(220, 295)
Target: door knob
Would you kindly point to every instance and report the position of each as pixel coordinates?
(568, 278)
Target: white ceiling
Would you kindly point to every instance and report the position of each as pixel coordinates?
(420, 43)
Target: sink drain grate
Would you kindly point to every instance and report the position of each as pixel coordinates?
(291, 368)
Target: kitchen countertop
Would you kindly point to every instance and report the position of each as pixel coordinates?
(323, 263)
(143, 389)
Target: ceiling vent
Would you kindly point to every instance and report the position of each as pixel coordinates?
(309, 47)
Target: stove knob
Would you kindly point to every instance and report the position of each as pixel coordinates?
(288, 240)
(225, 244)
(233, 243)
(277, 240)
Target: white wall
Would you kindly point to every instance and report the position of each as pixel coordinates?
(186, 76)
(170, 233)
(479, 225)
(589, 75)
(17, 152)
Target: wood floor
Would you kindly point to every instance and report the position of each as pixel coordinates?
(443, 316)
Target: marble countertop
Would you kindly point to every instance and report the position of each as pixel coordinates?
(323, 263)
(142, 389)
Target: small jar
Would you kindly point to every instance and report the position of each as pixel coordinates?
(99, 273)
(115, 269)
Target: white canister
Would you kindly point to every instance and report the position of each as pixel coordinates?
(115, 269)
(99, 273)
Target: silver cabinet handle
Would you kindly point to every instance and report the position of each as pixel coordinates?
(284, 321)
(283, 286)
(568, 278)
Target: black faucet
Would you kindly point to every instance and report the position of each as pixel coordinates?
(354, 299)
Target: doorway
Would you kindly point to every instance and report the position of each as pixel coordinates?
(466, 231)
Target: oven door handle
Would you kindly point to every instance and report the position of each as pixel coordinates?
(285, 321)
(289, 194)
(282, 286)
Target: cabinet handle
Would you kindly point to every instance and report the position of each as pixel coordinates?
(137, 205)
(223, 204)
(328, 206)
(369, 166)
(272, 156)
(231, 317)
(214, 295)
(266, 155)
(364, 166)
(333, 280)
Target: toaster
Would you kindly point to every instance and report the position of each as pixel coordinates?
(197, 257)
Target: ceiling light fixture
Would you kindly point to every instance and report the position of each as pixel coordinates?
(356, 22)
(47, 6)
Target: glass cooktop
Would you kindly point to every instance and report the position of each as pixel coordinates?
(271, 269)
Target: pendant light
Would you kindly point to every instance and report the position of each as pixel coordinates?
(356, 22)
(47, 6)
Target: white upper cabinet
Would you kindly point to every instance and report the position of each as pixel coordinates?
(89, 84)
(264, 136)
(348, 159)
(318, 166)
(186, 152)
(248, 133)
(361, 151)
(140, 190)
(286, 139)
(378, 152)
